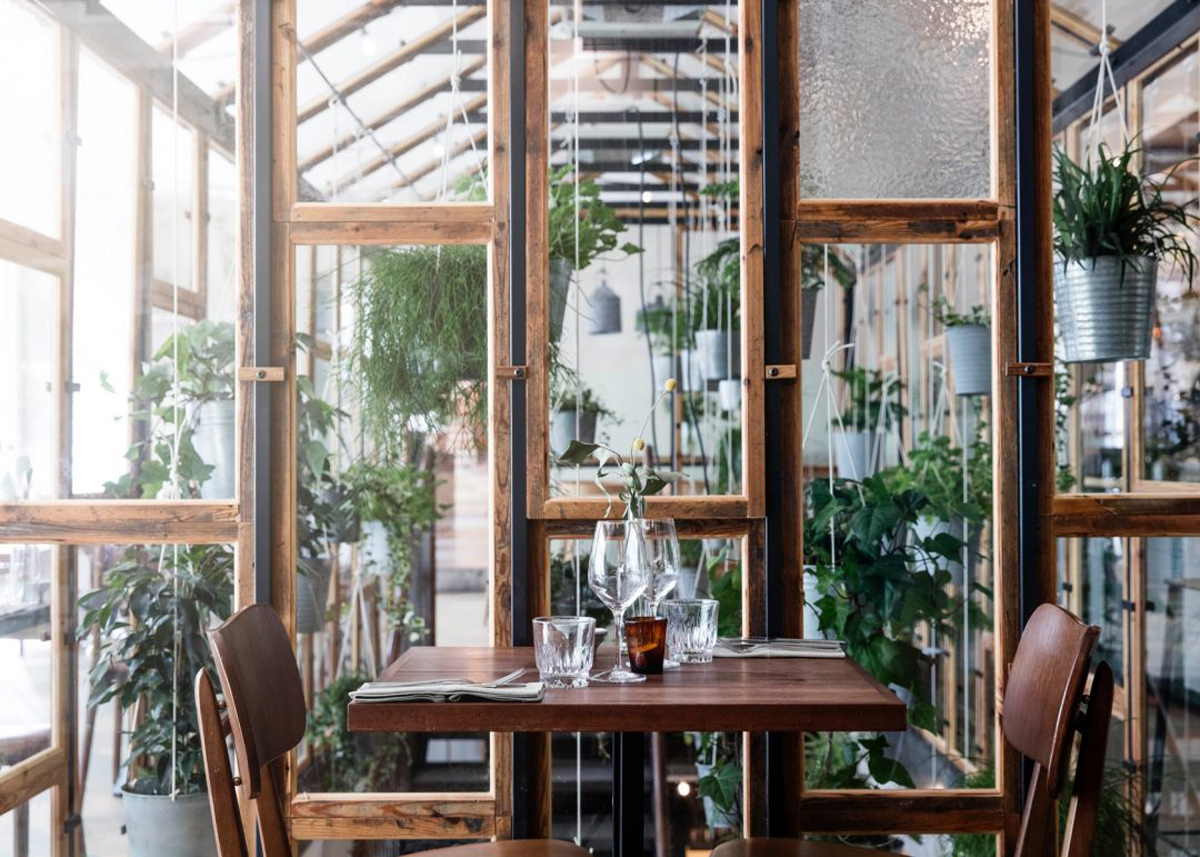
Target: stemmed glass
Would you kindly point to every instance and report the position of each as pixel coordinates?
(618, 575)
(662, 563)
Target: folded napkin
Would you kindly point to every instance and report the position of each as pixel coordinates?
(764, 647)
(447, 691)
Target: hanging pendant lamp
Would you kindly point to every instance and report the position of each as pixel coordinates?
(605, 310)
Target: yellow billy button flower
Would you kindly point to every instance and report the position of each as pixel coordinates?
(670, 385)
(639, 444)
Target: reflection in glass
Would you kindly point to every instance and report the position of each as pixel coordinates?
(644, 277)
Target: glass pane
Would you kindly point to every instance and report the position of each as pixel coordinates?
(393, 493)
(173, 147)
(898, 426)
(28, 383)
(30, 140)
(222, 236)
(645, 276)
(31, 826)
(26, 654)
(1172, 767)
(136, 681)
(867, 68)
(392, 104)
(682, 763)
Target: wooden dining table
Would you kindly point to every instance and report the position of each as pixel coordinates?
(779, 694)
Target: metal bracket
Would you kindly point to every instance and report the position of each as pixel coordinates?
(1029, 370)
(260, 373)
(780, 371)
(510, 373)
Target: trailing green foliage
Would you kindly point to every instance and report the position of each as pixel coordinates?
(1109, 209)
(418, 354)
(340, 764)
(948, 316)
(812, 267)
(153, 611)
(935, 469)
(597, 226)
(322, 506)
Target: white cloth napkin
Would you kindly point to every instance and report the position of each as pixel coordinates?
(778, 648)
(447, 691)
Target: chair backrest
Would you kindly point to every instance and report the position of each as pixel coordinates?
(222, 794)
(1042, 711)
(265, 702)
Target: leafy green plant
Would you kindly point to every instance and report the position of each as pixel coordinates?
(638, 481)
(725, 585)
(722, 784)
(716, 302)
(1109, 209)
(321, 506)
(581, 239)
(866, 392)
(947, 315)
(153, 611)
(935, 469)
(879, 582)
(418, 353)
(403, 499)
(667, 326)
(338, 760)
(198, 363)
(812, 267)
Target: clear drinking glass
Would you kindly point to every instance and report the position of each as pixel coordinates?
(618, 575)
(662, 560)
(692, 629)
(563, 648)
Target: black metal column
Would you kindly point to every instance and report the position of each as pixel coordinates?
(775, 548)
(261, 28)
(629, 791)
(518, 512)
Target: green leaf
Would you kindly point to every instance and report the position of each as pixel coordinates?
(721, 784)
(578, 453)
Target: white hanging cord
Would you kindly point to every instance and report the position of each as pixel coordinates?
(176, 393)
(1104, 72)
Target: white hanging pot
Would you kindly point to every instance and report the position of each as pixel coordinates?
(851, 451)
(560, 284)
(157, 825)
(729, 393)
(664, 368)
(808, 315)
(970, 349)
(312, 596)
(1105, 314)
(213, 439)
(565, 428)
(716, 362)
(691, 374)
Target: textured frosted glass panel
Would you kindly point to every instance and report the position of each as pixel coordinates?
(894, 98)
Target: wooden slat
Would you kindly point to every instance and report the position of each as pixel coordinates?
(32, 249)
(686, 528)
(678, 506)
(37, 773)
(405, 232)
(896, 222)
(1125, 515)
(388, 816)
(537, 260)
(284, 175)
(750, 206)
(902, 811)
(119, 522)
(478, 214)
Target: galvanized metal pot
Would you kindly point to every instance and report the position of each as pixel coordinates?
(970, 349)
(157, 825)
(560, 284)
(1105, 314)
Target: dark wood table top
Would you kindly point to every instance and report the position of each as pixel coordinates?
(728, 695)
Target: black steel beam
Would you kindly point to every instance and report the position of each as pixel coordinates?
(1167, 30)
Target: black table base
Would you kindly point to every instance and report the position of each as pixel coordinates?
(629, 793)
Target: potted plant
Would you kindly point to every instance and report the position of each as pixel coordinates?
(418, 352)
(968, 346)
(872, 405)
(716, 311)
(153, 611)
(719, 782)
(582, 227)
(665, 325)
(1112, 228)
(575, 417)
(813, 259)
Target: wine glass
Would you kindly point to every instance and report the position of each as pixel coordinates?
(618, 575)
(662, 563)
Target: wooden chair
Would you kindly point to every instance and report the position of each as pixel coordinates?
(1040, 715)
(264, 702)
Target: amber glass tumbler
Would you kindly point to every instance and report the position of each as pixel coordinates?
(646, 637)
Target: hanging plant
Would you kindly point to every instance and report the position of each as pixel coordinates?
(968, 345)
(813, 260)
(1112, 229)
(418, 353)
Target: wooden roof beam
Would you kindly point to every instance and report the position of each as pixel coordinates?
(1077, 28)
(394, 60)
(199, 32)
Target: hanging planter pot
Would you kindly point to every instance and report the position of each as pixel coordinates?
(691, 373)
(564, 428)
(159, 824)
(970, 350)
(605, 311)
(312, 595)
(729, 393)
(851, 450)
(808, 315)
(716, 362)
(1104, 315)
(560, 284)
(664, 368)
(214, 444)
